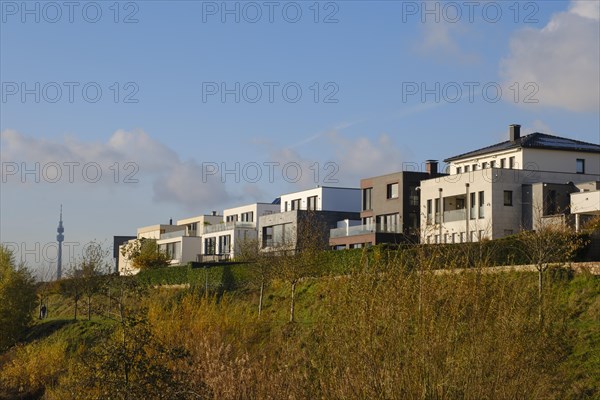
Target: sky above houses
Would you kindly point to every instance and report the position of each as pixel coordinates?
(132, 113)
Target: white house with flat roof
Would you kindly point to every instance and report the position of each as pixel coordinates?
(185, 244)
(331, 205)
(514, 185)
(223, 241)
(323, 198)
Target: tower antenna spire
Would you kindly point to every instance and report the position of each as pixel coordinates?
(59, 238)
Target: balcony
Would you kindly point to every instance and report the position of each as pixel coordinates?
(363, 230)
(175, 234)
(227, 226)
(455, 215)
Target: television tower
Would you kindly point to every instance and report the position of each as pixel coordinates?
(59, 238)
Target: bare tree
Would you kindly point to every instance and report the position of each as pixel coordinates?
(550, 243)
(298, 256)
(260, 266)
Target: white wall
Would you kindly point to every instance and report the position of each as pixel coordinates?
(259, 209)
(328, 199)
(479, 160)
(493, 182)
(536, 159)
(561, 161)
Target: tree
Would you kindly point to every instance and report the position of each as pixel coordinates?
(145, 254)
(17, 299)
(298, 256)
(72, 287)
(260, 266)
(550, 243)
(92, 265)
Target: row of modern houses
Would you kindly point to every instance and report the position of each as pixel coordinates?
(488, 193)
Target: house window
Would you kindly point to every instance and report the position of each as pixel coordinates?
(481, 204)
(311, 203)
(462, 237)
(508, 198)
(413, 196)
(267, 236)
(413, 223)
(392, 191)
(231, 218)
(368, 222)
(552, 204)
(295, 204)
(484, 165)
(466, 168)
(474, 167)
(429, 211)
(511, 163)
(503, 163)
(388, 223)
(481, 235)
(437, 211)
(210, 246)
(248, 216)
(580, 169)
(493, 164)
(460, 203)
(286, 206)
(458, 170)
(473, 204)
(366, 199)
(224, 244)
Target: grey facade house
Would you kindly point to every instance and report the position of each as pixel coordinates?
(325, 205)
(390, 210)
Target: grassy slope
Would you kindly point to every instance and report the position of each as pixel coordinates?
(580, 301)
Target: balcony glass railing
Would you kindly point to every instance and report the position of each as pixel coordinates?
(227, 226)
(455, 215)
(363, 230)
(170, 235)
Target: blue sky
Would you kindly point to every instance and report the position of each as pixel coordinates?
(358, 68)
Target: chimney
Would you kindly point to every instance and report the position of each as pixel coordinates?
(171, 221)
(431, 167)
(214, 213)
(515, 132)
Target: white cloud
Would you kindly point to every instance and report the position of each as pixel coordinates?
(172, 180)
(440, 39)
(562, 58)
(352, 160)
(363, 157)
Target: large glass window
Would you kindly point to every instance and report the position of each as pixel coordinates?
(413, 196)
(248, 216)
(580, 168)
(511, 163)
(296, 204)
(311, 203)
(473, 205)
(481, 205)
(210, 246)
(429, 211)
(224, 244)
(388, 222)
(508, 198)
(366, 200)
(392, 191)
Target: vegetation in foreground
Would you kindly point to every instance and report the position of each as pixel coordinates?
(389, 327)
